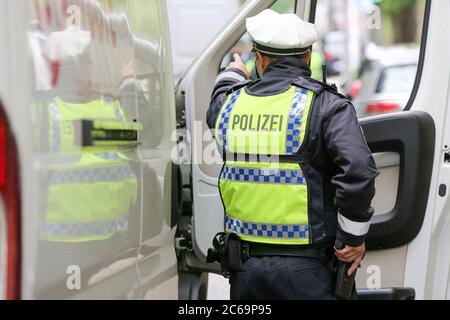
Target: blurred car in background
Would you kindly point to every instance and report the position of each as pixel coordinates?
(385, 81)
(334, 44)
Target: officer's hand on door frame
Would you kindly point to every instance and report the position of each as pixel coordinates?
(353, 255)
(239, 64)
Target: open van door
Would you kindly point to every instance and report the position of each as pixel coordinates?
(408, 254)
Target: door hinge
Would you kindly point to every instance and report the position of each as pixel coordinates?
(183, 238)
(183, 244)
(180, 106)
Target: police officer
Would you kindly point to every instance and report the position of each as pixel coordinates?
(298, 173)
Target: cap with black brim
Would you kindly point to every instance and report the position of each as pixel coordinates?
(277, 51)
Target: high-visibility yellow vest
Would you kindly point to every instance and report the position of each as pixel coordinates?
(90, 198)
(265, 198)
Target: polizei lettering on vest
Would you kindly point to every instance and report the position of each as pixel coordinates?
(261, 122)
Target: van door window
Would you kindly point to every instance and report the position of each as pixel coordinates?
(371, 49)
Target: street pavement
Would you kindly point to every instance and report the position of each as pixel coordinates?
(218, 288)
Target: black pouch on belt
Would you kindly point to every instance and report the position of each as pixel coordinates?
(232, 260)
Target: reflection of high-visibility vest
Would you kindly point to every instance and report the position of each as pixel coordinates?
(265, 200)
(90, 198)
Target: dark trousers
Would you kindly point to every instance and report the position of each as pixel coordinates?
(282, 278)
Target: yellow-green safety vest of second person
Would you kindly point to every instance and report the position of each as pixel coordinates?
(88, 198)
(265, 199)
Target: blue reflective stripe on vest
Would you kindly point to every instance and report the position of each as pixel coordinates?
(78, 229)
(263, 175)
(56, 119)
(225, 119)
(278, 231)
(295, 120)
(92, 175)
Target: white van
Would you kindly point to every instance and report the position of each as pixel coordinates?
(63, 237)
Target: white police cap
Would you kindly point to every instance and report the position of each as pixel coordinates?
(281, 34)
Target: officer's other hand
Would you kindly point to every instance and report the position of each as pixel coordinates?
(353, 255)
(239, 64)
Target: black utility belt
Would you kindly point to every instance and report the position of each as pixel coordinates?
(253, 249)
(231, 252)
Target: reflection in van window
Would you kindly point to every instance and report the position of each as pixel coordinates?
(99, 81)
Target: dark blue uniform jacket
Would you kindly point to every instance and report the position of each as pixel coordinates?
(337, 162)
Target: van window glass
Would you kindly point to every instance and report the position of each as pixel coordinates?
(397, 79)
(371, 49)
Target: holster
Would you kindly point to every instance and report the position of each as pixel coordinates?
(345, 288)
(227, 251)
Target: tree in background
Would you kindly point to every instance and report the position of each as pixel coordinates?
(403, 17)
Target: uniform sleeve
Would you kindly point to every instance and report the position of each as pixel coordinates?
(354, 174)
(224, 82)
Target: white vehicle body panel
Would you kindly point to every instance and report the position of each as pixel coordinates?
(119, 267)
